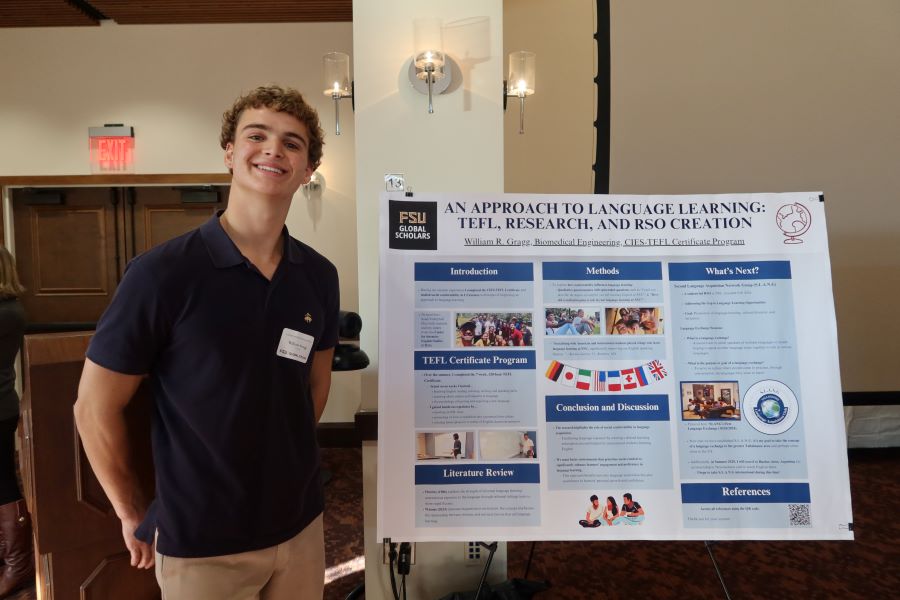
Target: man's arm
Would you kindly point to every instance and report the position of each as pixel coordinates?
(102, 397)
(320, 380)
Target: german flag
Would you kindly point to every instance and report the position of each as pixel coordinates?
(554, 370)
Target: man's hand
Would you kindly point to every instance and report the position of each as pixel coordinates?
(99, 414)
(142, 554)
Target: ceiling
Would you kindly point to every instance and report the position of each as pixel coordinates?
(69, 13)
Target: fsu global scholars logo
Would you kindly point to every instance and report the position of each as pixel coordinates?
(413, 225)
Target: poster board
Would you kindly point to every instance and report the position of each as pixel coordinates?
(674, 356)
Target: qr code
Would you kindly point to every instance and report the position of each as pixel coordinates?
(799, 514)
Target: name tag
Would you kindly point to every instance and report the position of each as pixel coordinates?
(295, 345)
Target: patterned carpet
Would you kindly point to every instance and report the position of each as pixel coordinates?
(867, 568)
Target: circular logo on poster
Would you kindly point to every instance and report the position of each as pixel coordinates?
(772, 407)
(793, 220)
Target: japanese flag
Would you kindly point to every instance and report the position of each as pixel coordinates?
(569, 376)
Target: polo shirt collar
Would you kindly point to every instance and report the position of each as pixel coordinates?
(294, 252)
(225, 253)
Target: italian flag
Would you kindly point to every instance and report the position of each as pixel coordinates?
(584, 379)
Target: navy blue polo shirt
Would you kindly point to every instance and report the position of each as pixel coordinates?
(234, 437)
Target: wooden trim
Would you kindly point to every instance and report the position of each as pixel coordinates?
(880, 453)
(337, 435)
(885, 398)
(367, 425)
(50, 348)
(120, 180)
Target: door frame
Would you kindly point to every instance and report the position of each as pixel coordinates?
(7, 233)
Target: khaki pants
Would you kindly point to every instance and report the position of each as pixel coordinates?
(291, 570)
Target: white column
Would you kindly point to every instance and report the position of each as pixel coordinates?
(458, 148)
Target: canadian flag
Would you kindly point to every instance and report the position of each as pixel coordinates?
(629, 379)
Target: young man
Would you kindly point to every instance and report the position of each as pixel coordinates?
(466, 334)
(515, 333)
(527, 446)
(594, 512)
(234, 324)
(631, 513)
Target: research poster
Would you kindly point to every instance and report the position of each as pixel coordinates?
(566, 367)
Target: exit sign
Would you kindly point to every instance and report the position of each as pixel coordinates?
(111, 149)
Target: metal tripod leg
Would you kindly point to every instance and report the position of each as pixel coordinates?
(712, 557)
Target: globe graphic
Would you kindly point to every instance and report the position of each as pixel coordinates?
(794, 221)
(770, 409)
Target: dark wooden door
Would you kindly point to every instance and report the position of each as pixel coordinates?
(158, 214)
(72, 244)
(67, 251)
(78, 539)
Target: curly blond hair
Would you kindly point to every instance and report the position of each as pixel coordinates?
(279, 99)
(9, 278)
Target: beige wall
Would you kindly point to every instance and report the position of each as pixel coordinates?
(771, 96)
(555, 154)
(172, 84)
(459, 148)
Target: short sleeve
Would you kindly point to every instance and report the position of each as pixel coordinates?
(332, 308)
(134, 327)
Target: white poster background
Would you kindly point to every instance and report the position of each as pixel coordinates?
(702, 228)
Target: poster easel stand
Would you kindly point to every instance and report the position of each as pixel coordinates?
(491, 548)
(712, 557)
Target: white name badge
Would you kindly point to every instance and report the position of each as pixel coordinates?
(295, 345)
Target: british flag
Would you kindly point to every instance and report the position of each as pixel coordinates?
(656, 369)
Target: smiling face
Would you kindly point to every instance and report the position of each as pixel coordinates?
(270, 153)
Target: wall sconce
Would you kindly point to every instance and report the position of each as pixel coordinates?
(520, 82)
(314, 188)
(337, 82)
(428, 61)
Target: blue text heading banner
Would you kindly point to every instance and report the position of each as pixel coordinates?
(744, 493)
(643, 407)
(467, 474)
(634, 271)
(464, 271)
(461, 360)
(705, 271)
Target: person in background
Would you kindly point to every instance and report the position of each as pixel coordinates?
(485, 340)
(515, 334)
(15, 522)
(527, 445)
